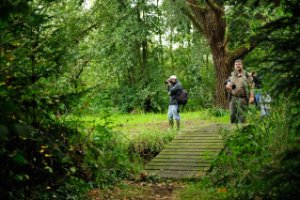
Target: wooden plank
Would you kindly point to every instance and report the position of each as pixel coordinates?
(192, 147)
(185, 153)
(192, 141)
(181, 162)
(178, 168)
(176, 174)
(168, 165)
(203, 148)
(199, 133)
(178, 161)
(199, 156)
(194, 144)
(196, 133)
(197, 136)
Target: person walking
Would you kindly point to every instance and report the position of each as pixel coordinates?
(174, 88)
(239, 86)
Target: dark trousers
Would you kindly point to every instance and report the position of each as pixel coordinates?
(238, 109)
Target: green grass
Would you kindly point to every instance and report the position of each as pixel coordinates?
(136, 124)
(196, 191)
(147, 134)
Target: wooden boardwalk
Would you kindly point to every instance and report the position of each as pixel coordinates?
(190, 154)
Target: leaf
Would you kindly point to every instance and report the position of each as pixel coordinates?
(49, 169)
(19, 159)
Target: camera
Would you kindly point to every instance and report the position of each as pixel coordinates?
(167, 81)
(233, 86)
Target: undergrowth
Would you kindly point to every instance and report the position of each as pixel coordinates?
(259, 161)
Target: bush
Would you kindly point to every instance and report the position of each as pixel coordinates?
(149, 144)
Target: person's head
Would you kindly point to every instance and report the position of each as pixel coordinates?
(173, 79)
(238, 65)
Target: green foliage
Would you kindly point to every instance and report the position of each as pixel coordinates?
(34, 155)
(38, 84)
(106, 159)
(70, 188)
(148, 144)
(259, 160)
(129, 57)
(217, 112)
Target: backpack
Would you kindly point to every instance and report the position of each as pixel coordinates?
(182, 97)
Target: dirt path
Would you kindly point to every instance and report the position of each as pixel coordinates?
(139, 190)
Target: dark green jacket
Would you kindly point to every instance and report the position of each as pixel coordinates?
(173, 91)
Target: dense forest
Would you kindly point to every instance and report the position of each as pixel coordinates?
(63, 60)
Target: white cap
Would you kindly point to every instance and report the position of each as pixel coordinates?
(173, 77)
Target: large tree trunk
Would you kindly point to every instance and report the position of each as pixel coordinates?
(213, 27)
(222, 72)
(209, 19)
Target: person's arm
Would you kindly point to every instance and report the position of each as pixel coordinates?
(228, 86)
(251, 92)
(251, 98)
(176, 88)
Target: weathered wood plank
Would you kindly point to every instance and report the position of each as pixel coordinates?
(201, 145)
(179, 161)
(199, 137)
(176, 174)
(178, 168)
(185, 153)
(199, 156)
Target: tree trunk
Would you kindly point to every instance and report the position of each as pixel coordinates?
(214, 27)
(223, 70)
(209, 19)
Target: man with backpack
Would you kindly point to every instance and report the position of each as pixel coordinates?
(174, 89)
(239, 86)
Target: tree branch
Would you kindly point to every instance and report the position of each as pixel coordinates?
(192, 18)
(253, 41)
(193, 3)
(214, 5)
(83, 33)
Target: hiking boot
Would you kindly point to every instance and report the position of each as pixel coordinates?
(171, 123)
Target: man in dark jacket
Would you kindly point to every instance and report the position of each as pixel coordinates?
(174, 87)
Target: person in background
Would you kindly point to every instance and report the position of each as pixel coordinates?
(239, 86)
(265, 101)
(257, 88)
(174, 87)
